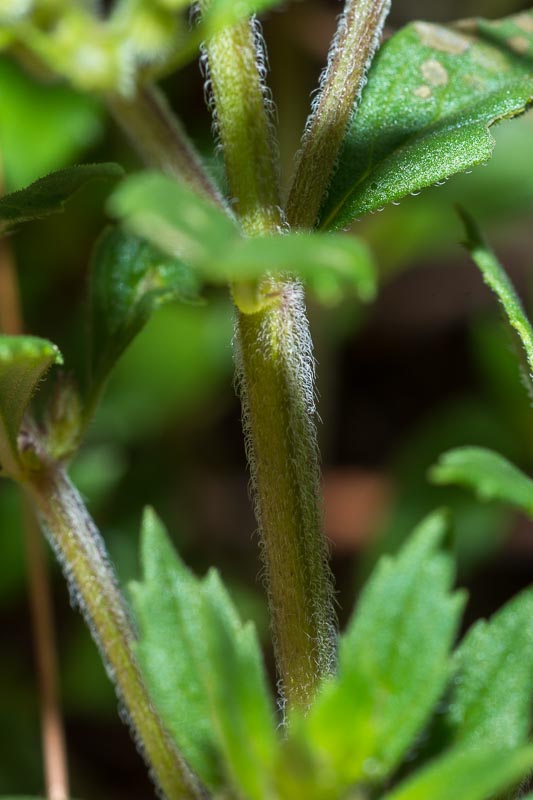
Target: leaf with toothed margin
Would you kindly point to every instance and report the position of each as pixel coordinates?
(466, 774)
(491, 701)
(488, 474)
(394, 664)
(497, 279)
(204, 670)
(48, 195)
(180, 223)
(23, 362)
(433, 92)
(130, 279)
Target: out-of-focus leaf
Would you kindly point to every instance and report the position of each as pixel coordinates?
(490, 475)
(329, 263)
(129, 280)
(23, 362)
(48, 195)
(497, 279)
(393, 664)
(433, 91)
(43, 127)
(204, 670)
(466, 775)
(491, 701)
(176, 220)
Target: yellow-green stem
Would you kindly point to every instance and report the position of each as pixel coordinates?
(351, 53)
(94, 589)
(275, 371)
(275, 374)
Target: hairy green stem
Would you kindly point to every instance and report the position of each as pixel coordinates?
(275, 372)
(94, 588)
(159, 138)
(234, 65)
(350, 55)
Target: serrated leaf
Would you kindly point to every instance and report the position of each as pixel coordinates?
(393, 664)
(204, 670)
(466, 775)
(433, 92)
(497, 279)
(48, 195)
(491, 701)
(23, 362)
(129, 280)
(175, 219)
(488, 474)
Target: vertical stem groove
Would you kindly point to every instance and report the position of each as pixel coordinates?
(94, 589)
(350, 55)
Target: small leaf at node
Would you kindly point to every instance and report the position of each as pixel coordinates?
(23, 362)
(488, 474)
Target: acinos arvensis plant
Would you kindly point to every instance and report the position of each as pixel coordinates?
(188, 673)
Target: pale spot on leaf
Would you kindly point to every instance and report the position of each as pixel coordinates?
(524, 22)
(422, 91)
(441, 38)
(434, 73)
(519, 44)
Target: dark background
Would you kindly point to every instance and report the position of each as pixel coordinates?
(426, 367)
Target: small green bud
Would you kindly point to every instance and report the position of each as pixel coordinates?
(63, 419)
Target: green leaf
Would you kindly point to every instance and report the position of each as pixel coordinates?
(490, 475)
(129, 280)
(466, 775)
(491, 702)
(394, 664)
(175, 219)
(433, 92)
(497, 279)
(68, 122)
(329, 263)
(48, 195)
(204, 670)
(23, 362)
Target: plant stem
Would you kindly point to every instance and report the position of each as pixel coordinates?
(52, 728)
(94, 589)
(275, 371)
(53, 734)
(350, 55)
(159, 138)
(234, 77)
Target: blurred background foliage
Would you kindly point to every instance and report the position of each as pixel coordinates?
(427, 367)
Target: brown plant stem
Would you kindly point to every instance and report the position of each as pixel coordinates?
(52, 727)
